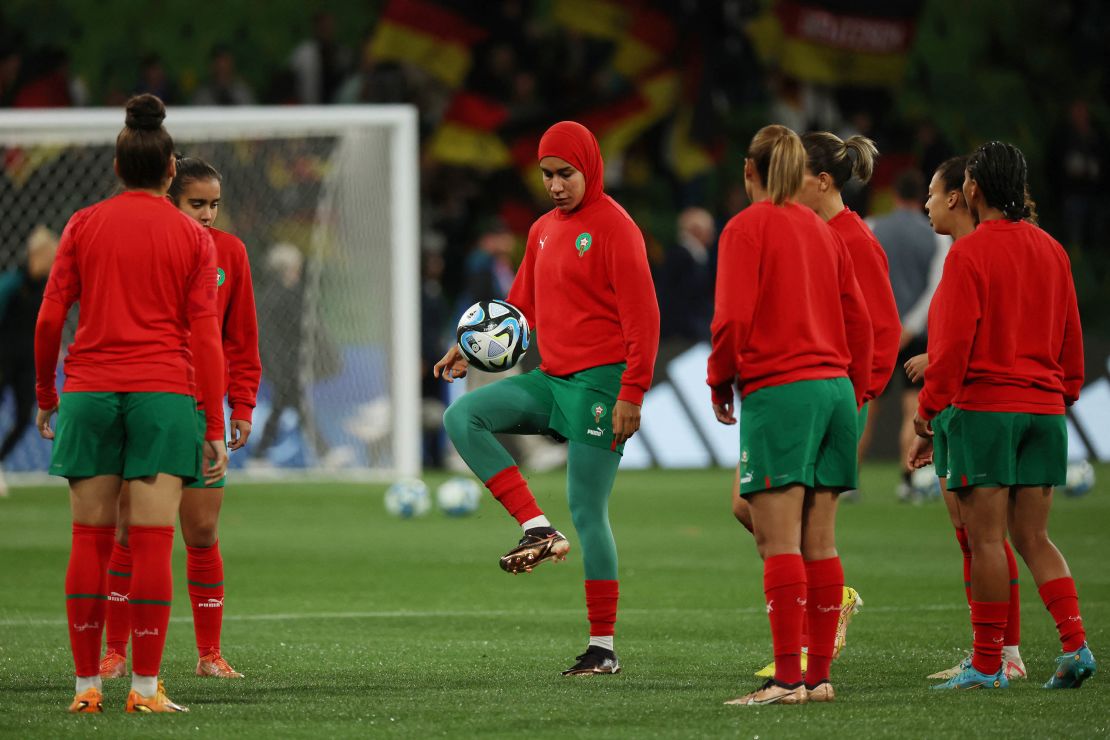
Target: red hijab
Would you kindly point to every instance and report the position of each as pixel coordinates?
(573, 143)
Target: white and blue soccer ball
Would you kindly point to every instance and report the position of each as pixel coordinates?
(1081, 478)
(458, 496)
(408, 498)
(493, 335)
(924, 483)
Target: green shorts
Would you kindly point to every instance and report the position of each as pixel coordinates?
(132, 435)
(799, 433)
(202, 427)
(940, 441)
(581, 404)
(992, 449)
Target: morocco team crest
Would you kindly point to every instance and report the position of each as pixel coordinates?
(598, 412)
(583, 242)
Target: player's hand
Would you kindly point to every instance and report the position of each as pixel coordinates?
(725, 412)
(453, 365)
(240, 433)
(922, 428)
(915, 367)
(626, 421)
(42, 421)
(215, 461)
(921, 452)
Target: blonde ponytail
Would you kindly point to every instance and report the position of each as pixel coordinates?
(842, 160)
(780, 161)
(863, 164)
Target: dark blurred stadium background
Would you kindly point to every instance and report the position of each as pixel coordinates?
(674, 91)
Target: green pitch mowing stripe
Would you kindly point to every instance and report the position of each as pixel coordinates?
(349, 623)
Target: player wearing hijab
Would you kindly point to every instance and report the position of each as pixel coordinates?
(585, 274)
(1010, 368)
(127, 410)
(196, 192)
(949, 216)
(797, 340)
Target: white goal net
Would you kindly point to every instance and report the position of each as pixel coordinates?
(326, 200)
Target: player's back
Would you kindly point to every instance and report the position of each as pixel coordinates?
(132, 261)
(1025, 289)
(797, 329)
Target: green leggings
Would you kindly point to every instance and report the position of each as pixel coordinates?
(520, 405)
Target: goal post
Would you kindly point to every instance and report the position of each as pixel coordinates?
(326, 200)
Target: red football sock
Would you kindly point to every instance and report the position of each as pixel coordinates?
(988, 624)
(1013, 621)
(1062, 601)
(805, 630)
(87, 594)
(825, 591)
(151, 595)
(961, 536)
(118, 616)
(784, 585)
(601, 606)
(510, 488)
(204, 568)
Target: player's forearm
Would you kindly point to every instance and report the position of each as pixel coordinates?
(48, 341)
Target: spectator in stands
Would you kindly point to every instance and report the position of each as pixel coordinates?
(281, 319)
(48, 83)
(319, 64)
(153, 79)
(11, 64)
(489, 268)
(21, 291)
(1079, 161)
(911, 248)
(224, 86)
(686, 277)
(435, 321)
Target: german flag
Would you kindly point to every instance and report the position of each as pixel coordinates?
(617, 125)
(428, 36)
(468, 135)
(649, 42)
(606, 19)
(814, 44)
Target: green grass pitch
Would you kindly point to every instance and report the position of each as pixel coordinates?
(350, 623)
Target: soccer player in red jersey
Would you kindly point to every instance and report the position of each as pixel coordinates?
(949, 216)
(830, 164)
(145, 276)
(585, 275)
(196, 191)
(1010, 368)
(798, 342)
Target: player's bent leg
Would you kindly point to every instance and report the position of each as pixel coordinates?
(517, 405)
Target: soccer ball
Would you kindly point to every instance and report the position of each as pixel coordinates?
(493, 335)
(1081, 478)
(407, 498)
(924, 482)
(458, 497)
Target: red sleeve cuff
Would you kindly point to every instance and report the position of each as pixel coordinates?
(922, 414)
(48, 401)
(632, 394)
(722, 394)
(242, 412)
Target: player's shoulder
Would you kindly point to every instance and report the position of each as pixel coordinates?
(227, 242)
(617, 221)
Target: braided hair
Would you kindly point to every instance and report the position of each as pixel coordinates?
(1000, 170)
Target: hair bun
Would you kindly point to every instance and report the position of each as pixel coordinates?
(145, 113)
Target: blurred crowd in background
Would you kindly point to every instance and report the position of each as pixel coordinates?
(673, 90)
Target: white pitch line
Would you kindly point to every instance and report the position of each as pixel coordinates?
(462, 614)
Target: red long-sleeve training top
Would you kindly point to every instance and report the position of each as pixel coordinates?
(1004, 332)
(873, 275)
(238, 324)
(586, 288)
(788, 306)
(145, 276)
